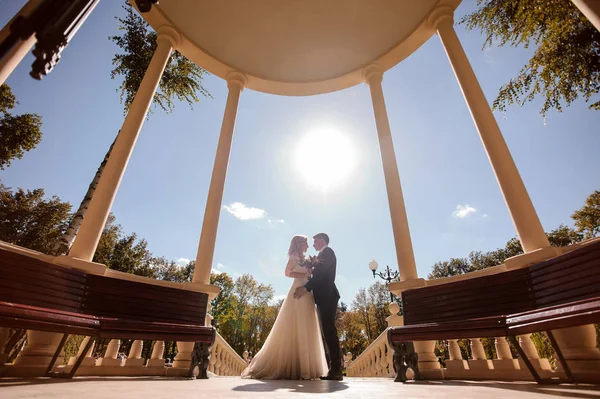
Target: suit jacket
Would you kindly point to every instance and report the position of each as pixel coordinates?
(322, 283)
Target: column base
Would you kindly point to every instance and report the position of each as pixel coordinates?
(39, 350)
(528, 259)
(184, 355)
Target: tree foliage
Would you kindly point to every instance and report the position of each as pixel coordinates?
(566, 61)
(587, 219)
(18, 133)
(181, 80)
(30, 220)
(477, 260)
(360, 325)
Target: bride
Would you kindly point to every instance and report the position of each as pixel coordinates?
(294, 348)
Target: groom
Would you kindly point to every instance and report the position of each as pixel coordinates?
(322, 285)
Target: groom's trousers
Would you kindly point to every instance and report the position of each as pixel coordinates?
(327, 314)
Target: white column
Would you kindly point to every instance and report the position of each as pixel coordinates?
(235, 83)
(591, 10)
(373, 75)
(91, 228)
(524, 216)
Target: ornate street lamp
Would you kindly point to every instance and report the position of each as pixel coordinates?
(388, 276)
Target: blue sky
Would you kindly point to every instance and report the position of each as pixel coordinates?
(441, 161)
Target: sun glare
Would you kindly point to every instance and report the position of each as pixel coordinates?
(324, 158)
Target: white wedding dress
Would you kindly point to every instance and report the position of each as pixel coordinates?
(294, 348)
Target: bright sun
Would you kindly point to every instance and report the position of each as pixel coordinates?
(325, 158)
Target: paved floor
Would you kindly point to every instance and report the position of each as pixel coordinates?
(231, 387)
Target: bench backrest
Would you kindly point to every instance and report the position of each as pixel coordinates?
(570, 277)
(111, 297)
(30, 281)
(498, 294)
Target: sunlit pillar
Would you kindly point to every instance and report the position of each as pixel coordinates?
(9, 62)
(524, 216)
(206, 248)
(373, 75)
(92, 226)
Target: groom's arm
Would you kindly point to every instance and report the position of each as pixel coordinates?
(323, 273)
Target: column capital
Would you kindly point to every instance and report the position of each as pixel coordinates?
(169, 33)
(236, 79)
(439, 15)
(373, 74)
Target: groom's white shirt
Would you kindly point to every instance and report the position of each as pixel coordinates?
(322, 249)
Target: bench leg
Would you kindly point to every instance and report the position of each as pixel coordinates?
(560, 356)
(12, 343)
(405, 357)
(56, 354)
(200, 358)
(513, 340)
(81, 357)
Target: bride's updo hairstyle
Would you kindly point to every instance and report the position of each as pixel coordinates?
(295, 245)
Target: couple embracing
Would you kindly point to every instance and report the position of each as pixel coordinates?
(294, 348)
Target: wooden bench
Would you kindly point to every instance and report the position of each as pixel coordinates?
(561, 292)
(567, 294)
(462, 309)
(135, 310)
(37, 295)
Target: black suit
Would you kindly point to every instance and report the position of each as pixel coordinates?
(322, 285)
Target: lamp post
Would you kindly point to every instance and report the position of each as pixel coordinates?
(388, 276)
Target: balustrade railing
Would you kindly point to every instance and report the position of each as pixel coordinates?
(377, 360)
(223, 361)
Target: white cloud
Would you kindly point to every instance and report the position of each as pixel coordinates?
(485, 215)
(243, 212)
(182, 261)
(221, 268)
(462, 211)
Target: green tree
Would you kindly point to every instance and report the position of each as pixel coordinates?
(181, 80)
(453, 267)
(30, 220)
(223, 304)
(18, 133)
(587, 219)
(566, 61)
(124, 253)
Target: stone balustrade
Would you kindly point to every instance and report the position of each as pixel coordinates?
(376, 360)
(224, 361)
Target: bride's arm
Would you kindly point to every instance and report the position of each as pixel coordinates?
(290, 267)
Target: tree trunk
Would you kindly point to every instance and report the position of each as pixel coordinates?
(63, 245)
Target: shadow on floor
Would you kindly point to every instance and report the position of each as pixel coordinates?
(292, 386)
(581, 391)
